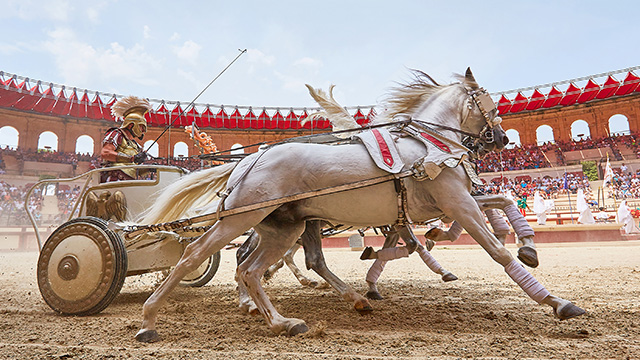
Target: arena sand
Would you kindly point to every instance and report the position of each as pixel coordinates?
(483, 315)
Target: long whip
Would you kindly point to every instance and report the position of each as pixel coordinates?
(196, 98)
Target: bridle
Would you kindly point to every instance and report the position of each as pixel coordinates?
(489, 112)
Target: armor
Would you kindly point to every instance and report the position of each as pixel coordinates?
(126, 149)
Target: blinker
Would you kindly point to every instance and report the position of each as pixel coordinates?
(486, 105)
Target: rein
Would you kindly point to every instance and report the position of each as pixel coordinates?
(466, 133)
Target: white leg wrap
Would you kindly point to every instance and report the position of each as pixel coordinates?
(527, 282)
(375, 270)
(431, 262)
(500, 227)
(519, 223)
(393, 253)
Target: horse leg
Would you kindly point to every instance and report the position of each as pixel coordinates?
(527, 252)
(500, 227)
(390, 241)
(471, 219)
(410, 240)
(245, 303)
(220, 234)
(276, 239)
(314, 259)
(392, 252)
(288, 259)
(452, 234)
(273, 269)
(434, 266)
(407, 235)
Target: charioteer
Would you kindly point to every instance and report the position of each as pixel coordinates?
(119, 146)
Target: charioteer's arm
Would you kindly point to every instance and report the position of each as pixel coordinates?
(110, 154)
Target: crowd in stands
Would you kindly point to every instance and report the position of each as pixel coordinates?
(630, 141)
(589, 143)
(518, 158)
(190, 163)
(533, 156)
(525, 186)
(46, 156)
(625, 184)
(12, 204)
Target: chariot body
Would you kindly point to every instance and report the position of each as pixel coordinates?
(83, 263)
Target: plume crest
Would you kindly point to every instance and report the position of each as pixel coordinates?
(125, 106)
(339, 117)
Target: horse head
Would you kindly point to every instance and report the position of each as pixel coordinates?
(464, 110)
(491, 136)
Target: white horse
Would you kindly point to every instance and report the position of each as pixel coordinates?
(296, 168)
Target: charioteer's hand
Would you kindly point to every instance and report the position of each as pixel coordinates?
(140, 157)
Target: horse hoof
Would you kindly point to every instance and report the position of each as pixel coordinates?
(568, 311)
(366, 253)
(363, 307)
(147, 336)
(429, 244)
(528, 256)
(449, 277)
(297, 329)
(374, 295)
(433, 234)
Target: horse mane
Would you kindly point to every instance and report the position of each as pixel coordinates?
(408, 97)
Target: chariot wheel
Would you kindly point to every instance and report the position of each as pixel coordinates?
(81, 267)
(204, 273)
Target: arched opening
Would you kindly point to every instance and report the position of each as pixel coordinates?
(514, 138)
(180, 149)
(580, 130)
(84, 145)
(236, 149)
(154, 149)
(9, 137)
(544, 134)
(48, 141)
(619, 125)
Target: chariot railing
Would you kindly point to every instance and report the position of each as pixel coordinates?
(89, 179)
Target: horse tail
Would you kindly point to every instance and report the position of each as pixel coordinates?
(195, 191)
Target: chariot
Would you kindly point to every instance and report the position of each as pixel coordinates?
(83, 263)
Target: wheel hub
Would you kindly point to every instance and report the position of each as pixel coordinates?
(68, 268)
